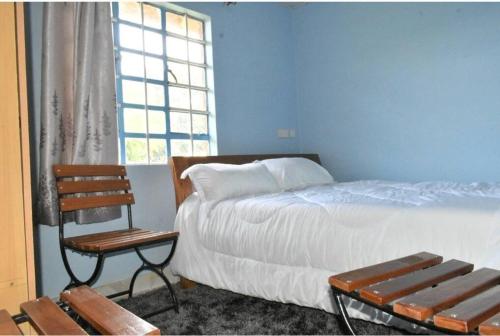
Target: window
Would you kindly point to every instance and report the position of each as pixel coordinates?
(164, 96)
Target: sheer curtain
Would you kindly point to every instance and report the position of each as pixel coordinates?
(78, 113)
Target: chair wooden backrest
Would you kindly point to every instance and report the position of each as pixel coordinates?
(117, 190)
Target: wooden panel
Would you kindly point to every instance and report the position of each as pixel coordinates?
(365, 276)
(16, 223)
(390, 290)
(25, 150)
(72, 187)
(178, 164)
(118, 240)
(490, 326)
(88, 170)
(7, 324)
(466, 316)
(78, 203)
(104, 315)
(48, 319)
(426, 303)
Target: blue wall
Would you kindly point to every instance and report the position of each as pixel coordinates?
(400, 91)
(254, 75)
(254, 88)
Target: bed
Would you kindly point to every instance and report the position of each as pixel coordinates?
(284, 246)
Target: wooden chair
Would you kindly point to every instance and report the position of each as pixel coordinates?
(78, 195)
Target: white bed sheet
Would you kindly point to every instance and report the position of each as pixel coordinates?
(283, 247)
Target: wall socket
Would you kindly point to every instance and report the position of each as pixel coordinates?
(284, 133)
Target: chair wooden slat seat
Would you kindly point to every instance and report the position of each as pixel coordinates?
(48, 319)
(104, 315)
(490, 326)
(399, 287)
(116, 240)
(7, 324)
(467, 315)
(350, 281)
(423, 305)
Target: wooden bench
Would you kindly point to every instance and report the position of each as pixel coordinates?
(82, 187)
(449, 297)
(102, 314)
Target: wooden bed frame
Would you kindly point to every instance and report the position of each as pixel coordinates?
(183, 188)
(178, 164)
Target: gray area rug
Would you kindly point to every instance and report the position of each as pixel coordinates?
(204, 310)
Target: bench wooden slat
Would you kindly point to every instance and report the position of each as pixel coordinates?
(73, 187)
(428, 302)
(123, 239)
(88, 170)
(490, 326)
(48, 319)
(89, 202)
(104, 315)
(7, 324)
(466, 316)
(362, 277)
(390, 290)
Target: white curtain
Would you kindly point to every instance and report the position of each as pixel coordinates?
(78, 114)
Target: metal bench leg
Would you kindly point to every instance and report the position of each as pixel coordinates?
(158, 270)
(343, 315)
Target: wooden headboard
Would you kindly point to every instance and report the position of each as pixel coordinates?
(178, 164)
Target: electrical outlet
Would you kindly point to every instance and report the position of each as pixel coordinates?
(283, 133)
(291, 132)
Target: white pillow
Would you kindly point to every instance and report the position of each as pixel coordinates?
(218, 181)
(297, 172)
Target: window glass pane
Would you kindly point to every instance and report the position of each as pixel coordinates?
(176, 23)
(196, 52)
(130, 11)
(198, 100)
(157, 151)
(157, 123)
(178, 97)
(197, 75)
(153, 42)
(130, 37)
(180, 147)
(154, 68)
(200, 148)
(136, 150)
(180, 122)
(133, 92)
(195, 29)
(156, 95)
(131, 64)
(178, 73)
(134, 120)
(152, 16)
(200, 124)
(176, 48)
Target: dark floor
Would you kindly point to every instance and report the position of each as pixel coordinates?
(204, 310)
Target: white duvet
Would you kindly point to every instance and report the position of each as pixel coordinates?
(284, 246)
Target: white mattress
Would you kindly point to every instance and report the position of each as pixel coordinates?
(283, 247)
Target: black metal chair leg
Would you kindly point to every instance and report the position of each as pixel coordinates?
(132, 282)
(343, 315)
(74, 281)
